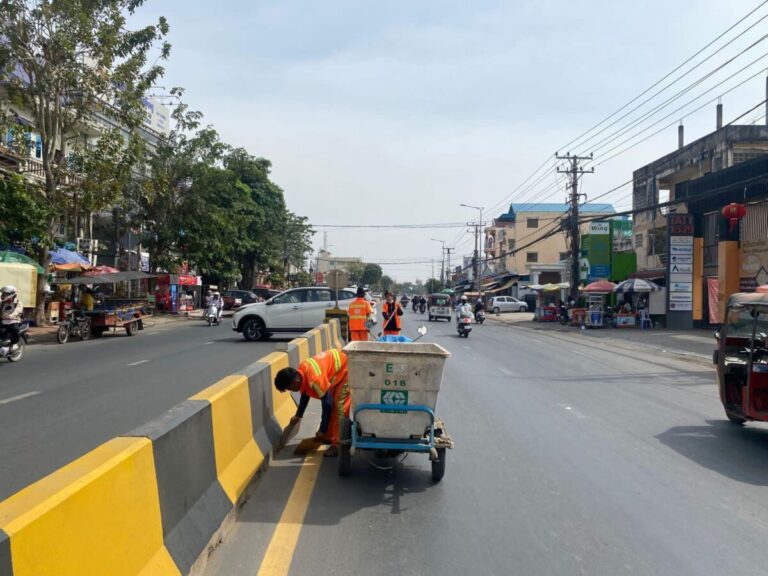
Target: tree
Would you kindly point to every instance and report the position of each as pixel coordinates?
(24, 214)
(355, 272)
(371, 274)
(433, 285)
(62, 62)
(386, 283)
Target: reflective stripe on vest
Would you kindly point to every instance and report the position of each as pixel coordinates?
(336, 359)
(315, 366)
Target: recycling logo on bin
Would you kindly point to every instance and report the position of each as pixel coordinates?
(394, 398)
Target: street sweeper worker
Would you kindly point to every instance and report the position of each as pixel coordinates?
(323, 377)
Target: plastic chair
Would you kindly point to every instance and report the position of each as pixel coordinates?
(645, 320)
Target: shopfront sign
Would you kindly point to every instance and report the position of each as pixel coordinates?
(754, 264)
(680, 269)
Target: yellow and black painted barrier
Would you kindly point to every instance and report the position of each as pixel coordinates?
(151, 501)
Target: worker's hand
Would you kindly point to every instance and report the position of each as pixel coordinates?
(295, 420)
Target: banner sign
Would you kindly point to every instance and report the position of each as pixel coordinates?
(680, 262)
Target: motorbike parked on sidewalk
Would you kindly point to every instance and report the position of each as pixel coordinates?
(18, 351)
(464, 326)
(74, 324)
(212, 315)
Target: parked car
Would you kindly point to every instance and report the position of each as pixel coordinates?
(507, 304)
(233, 299)
(295, 310)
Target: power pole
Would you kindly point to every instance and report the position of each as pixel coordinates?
(448, 275)
(573, 169)
(476, 256)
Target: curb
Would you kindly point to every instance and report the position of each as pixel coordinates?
(159, 499)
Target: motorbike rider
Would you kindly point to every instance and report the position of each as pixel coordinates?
(208, 298)
(218, 301)
(464, 310)
(479, 306)
(11, 313)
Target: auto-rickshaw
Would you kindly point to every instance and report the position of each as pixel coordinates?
(439, 306)
(741, 357)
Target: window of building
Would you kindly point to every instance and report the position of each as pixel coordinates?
(533, 222)
(563, 256)
(532, 257)
(639, 240)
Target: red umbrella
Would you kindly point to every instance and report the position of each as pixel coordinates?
(599, 286)
(99, 270)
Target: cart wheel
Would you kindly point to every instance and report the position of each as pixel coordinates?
(345, 457)
(62, 334)
(85, 330)
(131, 328)
(438, 466)
(735, 419)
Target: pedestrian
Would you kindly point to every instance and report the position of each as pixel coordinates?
(391, 310)
(359, 312)
(11, 313)
(323, 377)
(88, 301)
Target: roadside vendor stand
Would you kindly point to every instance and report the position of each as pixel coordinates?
(172, 292)
(546, 311)
(595, 294)
(633, 287)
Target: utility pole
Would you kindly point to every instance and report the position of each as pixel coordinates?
(573, 169)
(476, 257)
(449, 274)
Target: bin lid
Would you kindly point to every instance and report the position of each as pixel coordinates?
(414, 348)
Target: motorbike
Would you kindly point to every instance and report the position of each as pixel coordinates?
(480, 316)
(5, 345)
(563, 316)
(415, 305)
(464, 326)
(422, 307)
(73, 325)
(212, 315)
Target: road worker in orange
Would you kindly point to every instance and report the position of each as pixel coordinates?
(324, 377)
(392, 312)
(359, 312)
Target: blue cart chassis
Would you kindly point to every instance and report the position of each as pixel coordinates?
(406, 445)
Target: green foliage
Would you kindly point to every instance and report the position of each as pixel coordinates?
(24, 214)
(386, 283)
(371, 274)
(355, 272)
(433, 285)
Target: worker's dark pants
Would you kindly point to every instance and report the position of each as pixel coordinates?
(11, 331)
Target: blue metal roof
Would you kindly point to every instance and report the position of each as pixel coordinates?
(554, 207)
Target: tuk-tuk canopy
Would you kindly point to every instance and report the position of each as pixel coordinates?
(439, 300)
(747, 299)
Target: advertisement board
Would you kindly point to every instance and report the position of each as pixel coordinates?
(680, 270)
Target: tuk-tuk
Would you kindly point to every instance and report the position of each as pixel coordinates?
(742, 358)
(439, 306)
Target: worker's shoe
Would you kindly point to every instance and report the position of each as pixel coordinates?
(332, 452)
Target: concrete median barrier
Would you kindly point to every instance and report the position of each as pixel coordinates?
(155, 500)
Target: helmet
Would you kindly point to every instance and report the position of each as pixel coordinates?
(8, 293)
(463, 298)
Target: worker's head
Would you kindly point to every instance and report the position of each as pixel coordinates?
(360, 292)
(463, 299)
(288, 379)
(389, 296)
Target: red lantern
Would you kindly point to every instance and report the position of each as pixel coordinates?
(734, 212)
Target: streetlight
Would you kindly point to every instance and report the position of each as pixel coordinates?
(478, 228)
(442, 255)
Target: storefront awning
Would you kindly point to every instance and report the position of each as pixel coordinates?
(505, 286)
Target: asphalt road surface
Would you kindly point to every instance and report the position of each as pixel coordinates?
(570, 458)
(60, 401)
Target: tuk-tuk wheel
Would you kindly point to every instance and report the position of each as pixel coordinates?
(345, 445)
(438, 466)
(736, 419)
(131, 328)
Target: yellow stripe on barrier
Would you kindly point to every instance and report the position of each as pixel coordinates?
(303, 346)
(98, 515)
(283, 406)
(237, 455)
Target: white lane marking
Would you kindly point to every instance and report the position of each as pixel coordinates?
(580, 353)
(211, 342)
(505, 371)
(137, 363)
(19, 397)
(466, 348)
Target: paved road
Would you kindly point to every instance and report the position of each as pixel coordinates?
(570, 459)
(61, 401)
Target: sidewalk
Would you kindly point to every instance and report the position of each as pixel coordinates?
(694, 344)
(47, 334)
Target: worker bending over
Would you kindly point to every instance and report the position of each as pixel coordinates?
(323, 377)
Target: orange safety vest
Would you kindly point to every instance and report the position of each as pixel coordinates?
(390, 311)
(323, 372)
(359, 310)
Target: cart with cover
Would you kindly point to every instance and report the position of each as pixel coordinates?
(394, 388)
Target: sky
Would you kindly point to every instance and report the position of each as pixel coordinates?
(396, 112)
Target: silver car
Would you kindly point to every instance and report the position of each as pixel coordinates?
(507, 304)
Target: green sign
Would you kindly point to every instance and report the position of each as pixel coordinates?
(394, 398)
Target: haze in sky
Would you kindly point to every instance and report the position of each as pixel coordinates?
(396, 112)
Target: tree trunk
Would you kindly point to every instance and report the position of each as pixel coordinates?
(42, 280)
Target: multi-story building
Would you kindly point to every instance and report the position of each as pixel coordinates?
(523, 241)
(327, 262)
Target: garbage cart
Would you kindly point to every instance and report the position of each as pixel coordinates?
(394, 388)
